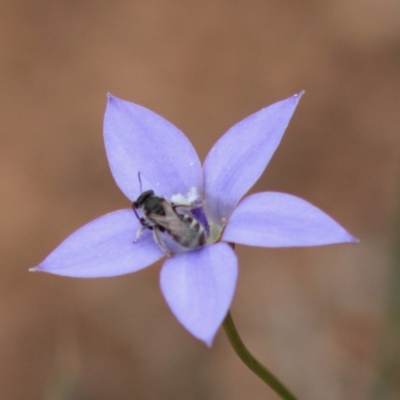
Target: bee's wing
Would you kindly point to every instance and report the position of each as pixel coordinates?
(170, 221)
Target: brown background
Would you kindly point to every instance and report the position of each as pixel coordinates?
(325, 320)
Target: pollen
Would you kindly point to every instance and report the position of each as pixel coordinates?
(190, 198)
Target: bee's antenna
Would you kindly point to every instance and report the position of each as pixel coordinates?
(140, 182)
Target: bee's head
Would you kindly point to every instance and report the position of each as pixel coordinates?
(141, 200)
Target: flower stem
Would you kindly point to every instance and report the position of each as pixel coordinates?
(244, 354)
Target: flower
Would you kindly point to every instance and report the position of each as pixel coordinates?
(199, 284)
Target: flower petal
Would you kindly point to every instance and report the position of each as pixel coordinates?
(139, 140)
(198, 286)
(282, 220)
(240, 156)
(103, 247)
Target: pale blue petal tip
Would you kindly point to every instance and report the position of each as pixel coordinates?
(110, 97)
(38, 268)
(352, 239)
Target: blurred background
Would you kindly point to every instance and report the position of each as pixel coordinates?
(325, 320)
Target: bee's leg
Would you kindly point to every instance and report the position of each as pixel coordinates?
(158, 239)
(145, 225)
(142, 220)
(140, 232)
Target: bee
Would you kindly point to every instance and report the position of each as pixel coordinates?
(160, 216)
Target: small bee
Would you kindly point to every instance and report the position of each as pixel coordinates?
(161, 216)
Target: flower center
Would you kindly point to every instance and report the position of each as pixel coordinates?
(195, 206)
(177, 225)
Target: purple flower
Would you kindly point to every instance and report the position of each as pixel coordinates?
(198, 284)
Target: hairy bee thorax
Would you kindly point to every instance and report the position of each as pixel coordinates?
(150, 203)
(177, 225)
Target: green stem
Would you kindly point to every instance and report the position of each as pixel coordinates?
(259, 369)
